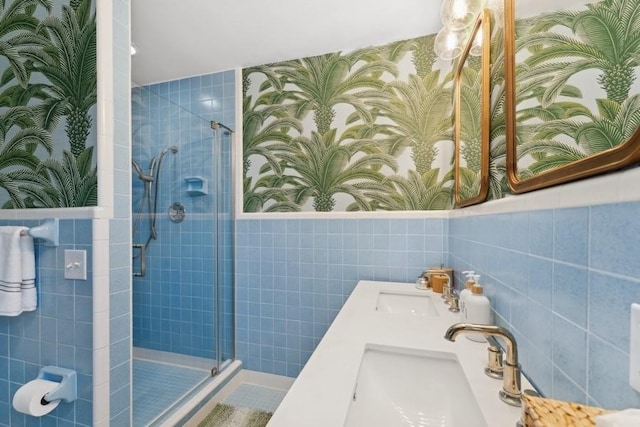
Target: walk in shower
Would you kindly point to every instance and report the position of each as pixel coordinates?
(182, 226)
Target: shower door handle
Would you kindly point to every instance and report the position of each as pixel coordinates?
(143, 260)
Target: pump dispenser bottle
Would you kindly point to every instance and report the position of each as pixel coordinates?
(464, 294)
(477, 310)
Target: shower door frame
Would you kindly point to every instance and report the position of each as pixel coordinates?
(218, 139)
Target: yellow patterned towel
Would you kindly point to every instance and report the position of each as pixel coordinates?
(544, 412)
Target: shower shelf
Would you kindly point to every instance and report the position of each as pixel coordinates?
(197, 186)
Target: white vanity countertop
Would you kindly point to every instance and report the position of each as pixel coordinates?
(321, 395)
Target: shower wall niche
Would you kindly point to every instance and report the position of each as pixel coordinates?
(176, 305)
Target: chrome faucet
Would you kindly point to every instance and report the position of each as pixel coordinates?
(510, 393)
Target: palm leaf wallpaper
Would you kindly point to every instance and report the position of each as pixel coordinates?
(372, 129)
(48, 92)
(363, 131)
(576, 82)
(470, 87)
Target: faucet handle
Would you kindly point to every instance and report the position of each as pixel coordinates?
(454, 302)
(494, 367)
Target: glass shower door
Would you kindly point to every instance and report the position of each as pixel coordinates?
(183, 306)
(223, 152)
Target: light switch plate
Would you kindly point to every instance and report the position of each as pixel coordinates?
(634, 348)
(75, 264)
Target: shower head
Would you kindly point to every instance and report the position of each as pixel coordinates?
(153, 170)
(173, 149)
(143, 177)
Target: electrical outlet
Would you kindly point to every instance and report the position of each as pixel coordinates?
(75, 264)
(634, 348)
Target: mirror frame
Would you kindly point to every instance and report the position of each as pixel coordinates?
(482, 23)
(624, 154)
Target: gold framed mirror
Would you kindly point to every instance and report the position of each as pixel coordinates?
(571, 105)
(472, 116)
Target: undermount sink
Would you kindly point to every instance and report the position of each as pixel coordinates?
(406, 387)
(414, 304)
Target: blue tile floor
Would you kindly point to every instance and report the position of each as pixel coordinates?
(157, 386)
(256, 397)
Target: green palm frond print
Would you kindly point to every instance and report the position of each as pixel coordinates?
(70, 182)
(51, 79)
(372, 129)
(347, 132)
(563, 113)
(470, 129)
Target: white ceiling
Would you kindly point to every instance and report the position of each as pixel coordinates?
(182, 38)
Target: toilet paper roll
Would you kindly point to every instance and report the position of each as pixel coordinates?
(28, 398)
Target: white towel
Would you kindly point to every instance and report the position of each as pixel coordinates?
(626, 418)
(10, 271)
(28, 284)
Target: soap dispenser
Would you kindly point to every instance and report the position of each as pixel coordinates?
(477, 310)
(464, 294)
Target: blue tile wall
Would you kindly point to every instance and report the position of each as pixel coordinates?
(58, 333)
(563, 281)
(173, 306)
(293, 276)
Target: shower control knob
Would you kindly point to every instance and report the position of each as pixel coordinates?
(177, 212)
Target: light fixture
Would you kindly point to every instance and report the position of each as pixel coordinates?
(133, 49)
(457, 17)
(459, 14)
(449, 43)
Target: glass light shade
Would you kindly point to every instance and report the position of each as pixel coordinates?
(459, 14)
(449, 43)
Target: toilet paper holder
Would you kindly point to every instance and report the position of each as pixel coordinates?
(68, 388)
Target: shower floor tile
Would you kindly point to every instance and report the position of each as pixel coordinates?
(157, 386)
(256, 397)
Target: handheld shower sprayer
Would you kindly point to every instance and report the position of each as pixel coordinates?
(152, 168)
(150, 196)
(143, 177)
